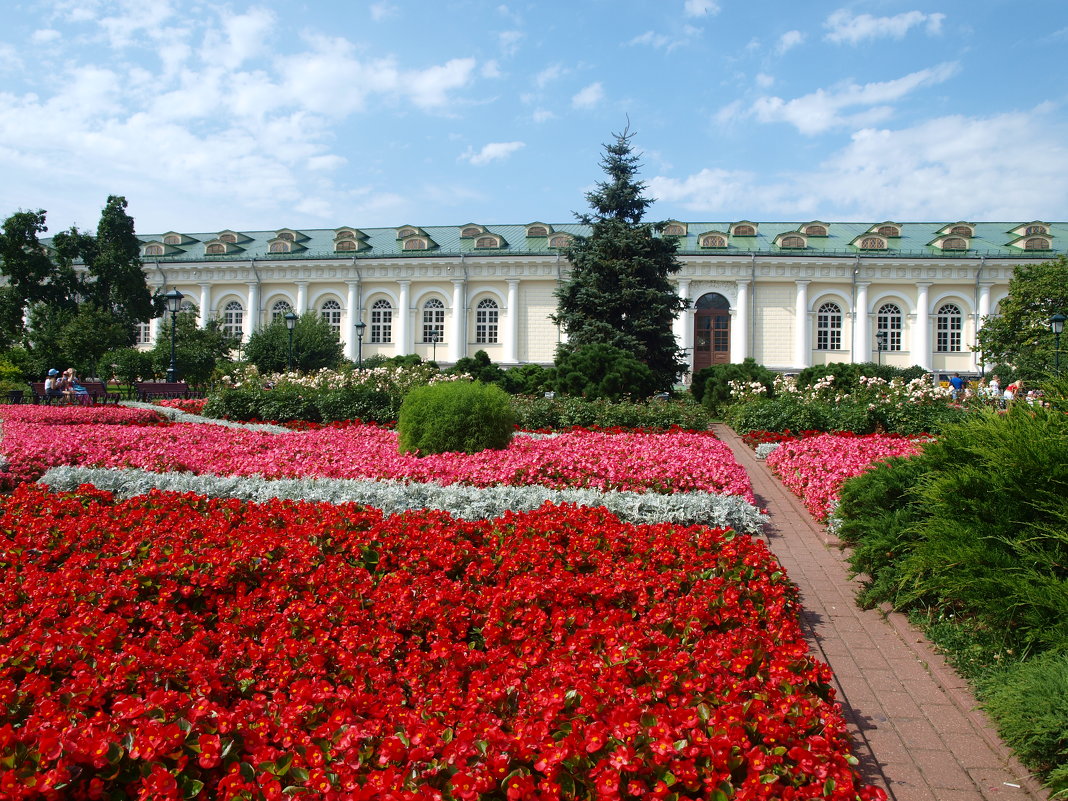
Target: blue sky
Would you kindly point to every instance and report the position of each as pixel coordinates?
(320, 114)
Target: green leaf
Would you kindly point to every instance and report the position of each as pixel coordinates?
(299, 774)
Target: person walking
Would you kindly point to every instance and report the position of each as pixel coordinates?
(956, 386)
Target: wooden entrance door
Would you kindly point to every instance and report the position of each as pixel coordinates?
(711, 331)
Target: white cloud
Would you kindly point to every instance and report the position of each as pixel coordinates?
(239, 38)
(824, 109)
(845, 27)
(542, 115)
(588, 97)
(789, 40)
(491, 69)
(663, 40)
(764, 81)
(9, 58)
(700, 8)
(135, 20)
(429, 88)
(494, 151)
(954, 167)
(651, 38)
(383, 10)
(45, 36)
(549, 74)
(509, 42)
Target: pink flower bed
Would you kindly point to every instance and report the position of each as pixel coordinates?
(638, 462)
(815, 468)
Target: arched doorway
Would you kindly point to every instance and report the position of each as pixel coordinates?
(711, 331)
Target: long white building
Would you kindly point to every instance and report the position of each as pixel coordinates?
(789, 295)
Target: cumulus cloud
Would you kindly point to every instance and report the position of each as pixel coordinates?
(588, 97)
(509, 42)
(828, 108)
(789, 40)
(542, 115)
(844, 26)
(700, 8)
(656, 40)
(383, 10)
(494, 151)
(549, 74)
(953, 167)
(45, 36)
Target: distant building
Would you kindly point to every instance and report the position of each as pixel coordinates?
(789, 295)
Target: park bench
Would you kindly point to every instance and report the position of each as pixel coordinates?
(97, 393)
(151, 390)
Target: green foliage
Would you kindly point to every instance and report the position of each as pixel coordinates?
(847, 374)
(539, 413)
(528, 379)
(357, 402)
(618, 293)
(479, 367)
(315, 345)
(711, 385)
(1019, 334)
(88, 335)
(1029, 704)
(128, 365)
(602, 371)
(455, 416)
(198, 351)
(798, 414)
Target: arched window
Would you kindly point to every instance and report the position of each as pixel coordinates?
(889, 230)
(1037, 243)
(713, 242)
(233, 319)
(486, 315)
(961, 230)
(279, 247)
(674, 230)
(215, 249)
(948, 324)
(403, 232)
(792, 242)
(280, 309)
(154, 250)
(537, 230)
(345, 235)
(331, 312)
(188, 306)
(287, 236)
(954, 243)
(471, 230)
(433, 321)
(872, 243)
(172, 239)
(1035, 229)
(816, 230)
(744, 230)
(142, 334)
(486, 242)
(560, 242)
(829, 327)
(415, 244)
(345, 244)
(888, 321)
(381, 322)
(228, 238)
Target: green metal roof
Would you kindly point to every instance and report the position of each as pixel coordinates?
(991, 240)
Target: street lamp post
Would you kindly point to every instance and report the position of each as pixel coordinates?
(880, 342)
(291, 321)
(434, 344)
(174, 305)
(360, 326)
(1056, 324)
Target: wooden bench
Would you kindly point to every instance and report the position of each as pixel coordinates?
(150, 390)
(97, 392)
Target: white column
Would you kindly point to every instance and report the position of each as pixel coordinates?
(255, 314)
(802, 328)
(404, 319)
(921, 336)
(205, 312)
(861, 334)
(683, 325)
(511, 333)
(740, 324)
(458, 345)
(982, 313)
(302, 298)
(354, 316)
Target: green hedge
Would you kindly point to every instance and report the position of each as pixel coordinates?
(458, 416)
(561, 412)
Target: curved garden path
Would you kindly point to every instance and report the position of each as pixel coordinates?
(917, 729)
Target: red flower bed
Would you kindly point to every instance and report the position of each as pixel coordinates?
(172, 646)
(754, 438)
(191, 405)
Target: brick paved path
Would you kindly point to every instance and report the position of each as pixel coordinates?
(917, 730)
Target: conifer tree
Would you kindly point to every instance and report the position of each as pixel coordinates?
(619, 293)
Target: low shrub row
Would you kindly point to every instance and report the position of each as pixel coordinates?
(559, 413)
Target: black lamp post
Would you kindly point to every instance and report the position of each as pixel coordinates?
(360, 326)
(880, 342)
(291, 321)
(434, 344)
(1056, 324)
(174, 305)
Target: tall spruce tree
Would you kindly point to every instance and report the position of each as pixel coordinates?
(618, 293)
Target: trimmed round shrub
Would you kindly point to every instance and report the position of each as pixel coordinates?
(455, 416)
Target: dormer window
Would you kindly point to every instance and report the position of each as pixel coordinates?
(279, 247)
(674, 229)
(345, 235)
(744, 230)
(816, 230)
(287, 236)
(172, 239)
(345, 244)
(415, 243)
(713, 241)
(792, 242)
(215, 249)
(403, 233)
(487, 242)
(153, 250)
(1037, 243)
(537, 230)
(232, 238)
(873, 243)
(1035, 229)
(561, 241)
(954, 243)
(887, 230)
(961, 230)
(471, 231)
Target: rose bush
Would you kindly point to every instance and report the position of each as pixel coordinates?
(171, 646)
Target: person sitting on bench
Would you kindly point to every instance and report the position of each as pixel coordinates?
(54, 384)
